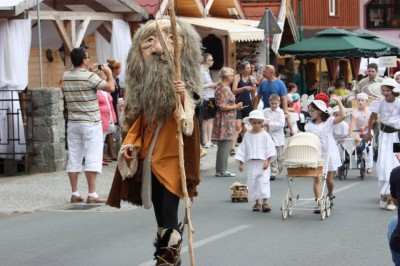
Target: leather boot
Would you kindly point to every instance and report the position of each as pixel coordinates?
(111, 149)
(168, 248)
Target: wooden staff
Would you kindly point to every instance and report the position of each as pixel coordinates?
(177, 67)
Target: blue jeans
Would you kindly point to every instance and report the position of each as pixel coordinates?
(392, 225)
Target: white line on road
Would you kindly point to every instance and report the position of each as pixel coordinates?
(207, 240)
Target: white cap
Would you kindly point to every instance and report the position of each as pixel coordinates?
(362, 96)
(255, 114)
(321, 105)
(334, 109)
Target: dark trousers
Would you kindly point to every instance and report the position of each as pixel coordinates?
(165, 205)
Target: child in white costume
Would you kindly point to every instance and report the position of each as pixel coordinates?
(359, 125)
(389, 111)
(256, 150)
(276, 123)
(321, 124)
(340, 131)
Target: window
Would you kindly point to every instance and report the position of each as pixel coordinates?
(332, 7)
(383, 14)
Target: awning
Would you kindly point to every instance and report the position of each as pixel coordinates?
(238, 30)
(383, 36)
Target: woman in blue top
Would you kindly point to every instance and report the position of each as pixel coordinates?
(244, 88)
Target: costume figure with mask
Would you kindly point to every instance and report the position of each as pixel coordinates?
(148, 163)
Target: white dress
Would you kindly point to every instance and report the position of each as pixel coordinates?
(276, 124)
(340, 131)
(390, 115)
(253, 151)
(362, 118)
(324, 131)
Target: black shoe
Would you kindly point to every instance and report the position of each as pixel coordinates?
(272, 178)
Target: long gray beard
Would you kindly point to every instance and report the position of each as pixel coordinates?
(158, 97)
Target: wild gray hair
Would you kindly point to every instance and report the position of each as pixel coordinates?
(152, 93)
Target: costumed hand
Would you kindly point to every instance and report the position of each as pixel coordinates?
(129, 154)
(179, 86)
(241, 167)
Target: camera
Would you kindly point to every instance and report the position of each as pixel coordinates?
(396, 147)
(99, 67)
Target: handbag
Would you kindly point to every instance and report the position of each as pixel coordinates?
(211, 107)
(111, 127)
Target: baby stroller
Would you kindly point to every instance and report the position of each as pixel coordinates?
(354, 156)
(303, 158)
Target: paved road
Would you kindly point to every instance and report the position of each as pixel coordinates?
(58, 233)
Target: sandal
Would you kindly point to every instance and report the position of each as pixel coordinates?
(317, 209)
(266, 207)
(256, 207)
(331, 200)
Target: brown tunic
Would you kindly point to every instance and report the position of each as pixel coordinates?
(165, 161)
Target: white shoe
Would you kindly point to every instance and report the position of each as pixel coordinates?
(387, 205)
(390, 206)
(207, 146)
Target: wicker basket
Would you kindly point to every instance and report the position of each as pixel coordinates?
(305, 171)
(303, 150)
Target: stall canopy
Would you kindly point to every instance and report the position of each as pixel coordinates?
(237, 30)
(391, 49)
(335, 43)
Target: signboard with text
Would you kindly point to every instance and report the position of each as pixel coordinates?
(388, 61)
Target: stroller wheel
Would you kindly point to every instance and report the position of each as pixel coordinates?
(362, 168)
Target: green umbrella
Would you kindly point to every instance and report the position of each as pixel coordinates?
(391, 49)
(335, 43)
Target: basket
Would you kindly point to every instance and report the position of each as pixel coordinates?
(305, 171)
(303, 150)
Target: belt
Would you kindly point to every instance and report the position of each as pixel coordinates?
(388, 129)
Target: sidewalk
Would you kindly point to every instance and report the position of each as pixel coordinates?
(52, 192)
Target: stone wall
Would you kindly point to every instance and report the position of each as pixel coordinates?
(46, 139)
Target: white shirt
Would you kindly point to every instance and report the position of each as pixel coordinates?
(340, 130)
(276, 124)
(324, 131)
(389, 112)
(255, 146)
(206, 78)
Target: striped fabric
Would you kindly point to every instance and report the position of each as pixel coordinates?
(80, 89)
(303, 150)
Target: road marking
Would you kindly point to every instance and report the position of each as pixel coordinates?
(206, 241)
(347, 187)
